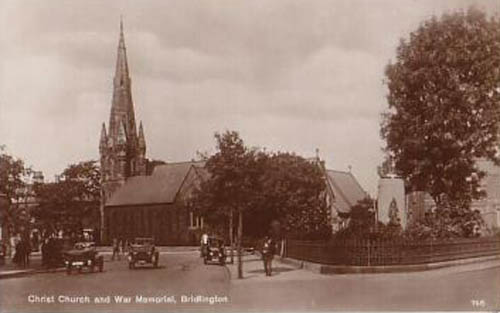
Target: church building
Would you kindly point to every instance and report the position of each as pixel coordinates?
(139, 200)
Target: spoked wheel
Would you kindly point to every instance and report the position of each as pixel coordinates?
(68, 270)
(101, 265)
(155, 261)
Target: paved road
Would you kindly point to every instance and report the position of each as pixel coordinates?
(179, 274)
(288, 290)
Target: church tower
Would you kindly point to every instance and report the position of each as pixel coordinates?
(122, 149)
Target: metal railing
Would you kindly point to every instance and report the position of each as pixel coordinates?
(362, 252)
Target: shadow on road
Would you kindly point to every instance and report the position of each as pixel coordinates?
(148, 268)
(276, 270)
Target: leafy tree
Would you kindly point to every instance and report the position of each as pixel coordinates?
(269, 193)
(361, 220)
(443, 99)
(294, 192)
(12, 171)
(449, 222)
(68, 203)
(233, 186)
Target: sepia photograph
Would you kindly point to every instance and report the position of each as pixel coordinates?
(249, 155)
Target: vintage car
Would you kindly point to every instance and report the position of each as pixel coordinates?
(53, 251)
(143, 251)
(215, 251)
(83, 255)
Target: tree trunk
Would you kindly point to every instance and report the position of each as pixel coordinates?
(231, 239)
(240, 234)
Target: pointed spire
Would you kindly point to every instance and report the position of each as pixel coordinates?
(103, 143)
(122, 134)
(141, 139)
(121, 73)
(122, 107)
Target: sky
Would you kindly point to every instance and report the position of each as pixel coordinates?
(291, 76)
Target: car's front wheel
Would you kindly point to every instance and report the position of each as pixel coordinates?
(155, 260)
(68, 269)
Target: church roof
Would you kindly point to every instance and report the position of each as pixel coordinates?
(161, 186)
(346, 189)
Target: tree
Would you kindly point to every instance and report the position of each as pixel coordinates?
(12, 171)
(70, 202)
(233, 184)
(443, 105)
(449, 222)
(294, 192)
(361, 220)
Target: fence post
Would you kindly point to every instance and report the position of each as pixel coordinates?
(369, 255)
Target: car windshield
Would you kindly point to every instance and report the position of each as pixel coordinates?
(143, 241)
(82, 245)
(214, 242)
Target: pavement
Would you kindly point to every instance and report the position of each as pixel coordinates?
(253, 271)
(292, 270)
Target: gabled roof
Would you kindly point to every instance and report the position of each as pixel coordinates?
(160, 187)
(346, 189)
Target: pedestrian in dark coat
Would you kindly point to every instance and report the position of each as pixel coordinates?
(268, 251)
(17, 258)
(27, 252)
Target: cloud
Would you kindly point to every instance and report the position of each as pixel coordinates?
(288, 74)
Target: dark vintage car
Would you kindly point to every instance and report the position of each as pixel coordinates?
(143, 251)
(83, 255)
(53, 251)
(215, 251)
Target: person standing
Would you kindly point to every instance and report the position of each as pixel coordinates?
(27, 252)
(116, 250)
(268, 250)
(203, 245)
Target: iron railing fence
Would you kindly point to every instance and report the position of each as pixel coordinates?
(361, 252)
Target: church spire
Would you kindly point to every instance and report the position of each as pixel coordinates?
(121, 74)
(122, 107)
(142, 140)
(103, 143)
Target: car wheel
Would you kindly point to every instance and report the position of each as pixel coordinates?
(68, 270)
(92, 269)
(131, 265)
